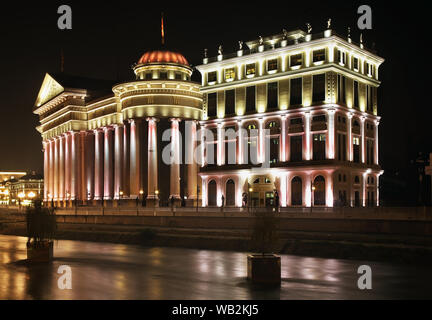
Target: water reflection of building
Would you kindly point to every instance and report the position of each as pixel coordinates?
(311, 98)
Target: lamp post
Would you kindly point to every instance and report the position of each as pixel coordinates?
(154, 202)
(141, 192)
(250, 199)
(31, 195)
(21, 196)
(312, 196)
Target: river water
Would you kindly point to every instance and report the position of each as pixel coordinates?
(117, 271)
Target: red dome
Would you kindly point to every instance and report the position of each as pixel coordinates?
(163, 56)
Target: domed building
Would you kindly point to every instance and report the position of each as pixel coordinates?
(106, 142)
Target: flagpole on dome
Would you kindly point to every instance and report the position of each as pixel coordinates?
(162, 29)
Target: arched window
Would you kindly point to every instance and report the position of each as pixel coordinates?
(230, 193)
(319, 192)
(296, 191)
(212, 194)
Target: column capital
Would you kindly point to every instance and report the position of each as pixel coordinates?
(350, 115)
(154, 119)
(362, 119)
(331, 111)
(377, 122)
(175, 119)
(108, 128)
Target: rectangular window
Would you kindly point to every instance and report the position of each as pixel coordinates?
(178, 76)
(211, 104)
(341, 57)
(230, 102)
(296, 148)
(296, 91)
(272, 96)
(272, 65)
(341, 89)
(163, 75)
(274, 150)
(295, 121)
(250, 99)
(356, 149)
(341, 147)
(229, 74)
(250, 69)
(369, 98)
(319, 142)
(318, 55)
(320, 118)
(149, 76)
(356, 95)
(318, 88)
(355, 64)
(296, 60)
(211, 77)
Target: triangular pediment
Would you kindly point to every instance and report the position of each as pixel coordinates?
(50, 89)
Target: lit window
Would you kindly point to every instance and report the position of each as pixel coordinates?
(250, 69)
(272, 65)
(319, 55)
(267, 180)
(272, 124)
(251, 127)
(229, 74)
(296, 60)
(356, 141)
(319, 137)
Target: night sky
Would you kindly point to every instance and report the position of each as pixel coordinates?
(108, 38)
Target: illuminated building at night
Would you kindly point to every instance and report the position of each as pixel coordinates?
(316, 94)
(20, 188)
(311, 99)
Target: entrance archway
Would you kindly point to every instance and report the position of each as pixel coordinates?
(296, 191)
(212, 194)
(230, 193)
(319, 192)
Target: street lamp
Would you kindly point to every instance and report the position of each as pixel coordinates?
(312, 195)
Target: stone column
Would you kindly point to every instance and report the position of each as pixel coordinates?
(261, 157)
(90, 164)
(376, 156)
(56, 168)
(191, 162)
(135, 159)
(126, 159)
(282, 157)
(46, 169)
(307, 142)
(220, 146)
(349, 137)
(362, 132)
(98, 179)
(175, 161)
(108, 163)
(118, 161)
(75, 156)
(152, 177)
(67, 137)
(331, 134)
(240, 142)
(62, 169)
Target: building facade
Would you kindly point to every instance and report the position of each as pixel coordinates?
(299, 110)
(19, 188)
(313, 101)
(103, 142)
